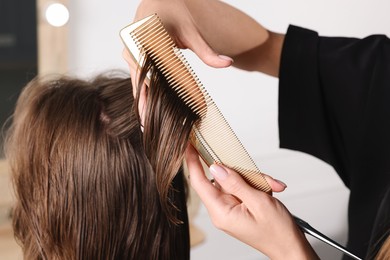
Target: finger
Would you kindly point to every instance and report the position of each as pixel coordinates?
(203, 50)
(132, 68)
(216, 184)
(231, 182)
(200, 183)
(142, 103)
(276, 185)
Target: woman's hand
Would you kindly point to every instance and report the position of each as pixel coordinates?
(247, 214)
(179, 22)
(211, 27)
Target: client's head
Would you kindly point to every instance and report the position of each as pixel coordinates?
(85, 188)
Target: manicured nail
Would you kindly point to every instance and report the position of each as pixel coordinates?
(226, 58)
(281, 183)
(218, 172)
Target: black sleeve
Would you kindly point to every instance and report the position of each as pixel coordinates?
(334, 103)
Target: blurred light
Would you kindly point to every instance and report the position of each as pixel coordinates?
(57, 14)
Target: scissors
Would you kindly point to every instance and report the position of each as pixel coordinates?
(306, 228)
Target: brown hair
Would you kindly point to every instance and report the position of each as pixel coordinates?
(84, 185)
(168, 120)
(384, 251)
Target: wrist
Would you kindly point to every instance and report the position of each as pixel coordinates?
(297, 248)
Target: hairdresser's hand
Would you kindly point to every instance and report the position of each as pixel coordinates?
(180, 24)
(212, 27)
(247, 214)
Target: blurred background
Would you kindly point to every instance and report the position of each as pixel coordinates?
(82, 38)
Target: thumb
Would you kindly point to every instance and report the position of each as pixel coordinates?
(231, 182)
(203, 50)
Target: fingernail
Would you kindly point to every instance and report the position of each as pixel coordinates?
(281, 183)
(218, 172)
(225, 58)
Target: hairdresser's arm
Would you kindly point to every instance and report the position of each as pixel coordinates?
(211, 27)
(265, 223)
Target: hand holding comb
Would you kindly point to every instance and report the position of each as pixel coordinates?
(211, 136)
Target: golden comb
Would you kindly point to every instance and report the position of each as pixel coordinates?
(211, 136)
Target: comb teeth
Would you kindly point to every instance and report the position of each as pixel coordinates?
(151, 38)
(217, 143)
(212, 136)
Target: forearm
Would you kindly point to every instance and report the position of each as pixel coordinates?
(264, 58)
(298, 248)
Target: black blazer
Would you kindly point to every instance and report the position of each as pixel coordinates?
(334, 103)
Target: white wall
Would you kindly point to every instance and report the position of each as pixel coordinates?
(94, 43)
(248, 100)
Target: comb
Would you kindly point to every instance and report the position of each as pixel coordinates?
(211, 136)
